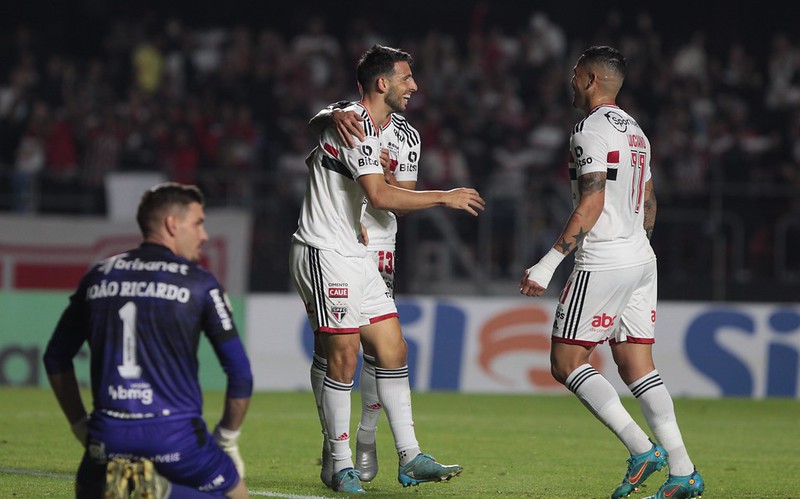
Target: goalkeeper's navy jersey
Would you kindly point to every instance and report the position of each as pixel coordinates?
(142, 313)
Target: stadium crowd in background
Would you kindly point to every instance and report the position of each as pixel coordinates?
(226, 108)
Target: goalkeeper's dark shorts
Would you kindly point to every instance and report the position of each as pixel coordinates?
(183, 451)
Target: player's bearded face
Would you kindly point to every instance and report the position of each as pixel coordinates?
(400, 86)
(395, 100)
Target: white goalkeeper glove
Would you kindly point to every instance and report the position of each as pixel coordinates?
(228, 441)
(542, 272)
(80, 429)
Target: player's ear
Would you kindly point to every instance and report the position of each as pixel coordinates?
(171, 224)
(381, 84)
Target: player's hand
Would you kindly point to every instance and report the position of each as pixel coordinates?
(80, 429)
(465, 199)
(536, 278)
(348, 124)
(529, 287)
(386, 162)
(228, 441)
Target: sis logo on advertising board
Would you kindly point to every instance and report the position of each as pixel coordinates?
(474, 345)
(748, 351)
(502, 345)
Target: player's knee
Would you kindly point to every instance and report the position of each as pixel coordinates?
(342, 368)
(558, 372)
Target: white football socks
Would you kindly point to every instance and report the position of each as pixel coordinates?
(319, 367)
(370, 403)
(394, 393)
(602, 400)
(336, 407)
(659, 412)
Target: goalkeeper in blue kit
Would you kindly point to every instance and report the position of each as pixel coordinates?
(141, 314)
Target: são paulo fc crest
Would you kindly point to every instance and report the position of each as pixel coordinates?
(339, 311)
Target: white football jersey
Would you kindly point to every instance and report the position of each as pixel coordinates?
(609, 140)
(331, 213)
(403, 143)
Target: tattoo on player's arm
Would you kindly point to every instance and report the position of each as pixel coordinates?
(592, 182)
(580, 236)
(566, 247)
(650, 213)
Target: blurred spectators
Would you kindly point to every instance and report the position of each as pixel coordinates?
(444, 165)
(226, 104)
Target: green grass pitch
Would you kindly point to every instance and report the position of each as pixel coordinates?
(510, 446)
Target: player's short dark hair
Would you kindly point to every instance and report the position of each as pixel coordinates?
(157, 200)
(379, 60)
(606, 56)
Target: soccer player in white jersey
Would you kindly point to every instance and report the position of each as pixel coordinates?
(346, 299)
(400, 153)
(611, 293)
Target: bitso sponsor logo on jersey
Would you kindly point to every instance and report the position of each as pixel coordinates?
(411, 165)
(579, 160)
(367, 160)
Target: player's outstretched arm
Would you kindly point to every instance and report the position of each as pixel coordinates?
(388, 197)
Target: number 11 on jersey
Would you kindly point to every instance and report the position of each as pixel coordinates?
(638, 162)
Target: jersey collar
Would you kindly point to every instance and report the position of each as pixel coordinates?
(602, 105)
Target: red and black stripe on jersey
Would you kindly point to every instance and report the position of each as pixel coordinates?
(611, 171)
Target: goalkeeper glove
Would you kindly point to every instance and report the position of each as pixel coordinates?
(228, 441)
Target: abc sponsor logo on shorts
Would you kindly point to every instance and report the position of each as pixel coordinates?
(602, 321)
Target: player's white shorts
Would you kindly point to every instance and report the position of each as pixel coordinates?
(617, 305)
(385, 261)
(340, 293)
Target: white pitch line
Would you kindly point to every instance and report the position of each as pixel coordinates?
(285, 496)
(36, 473)
(70, 476)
